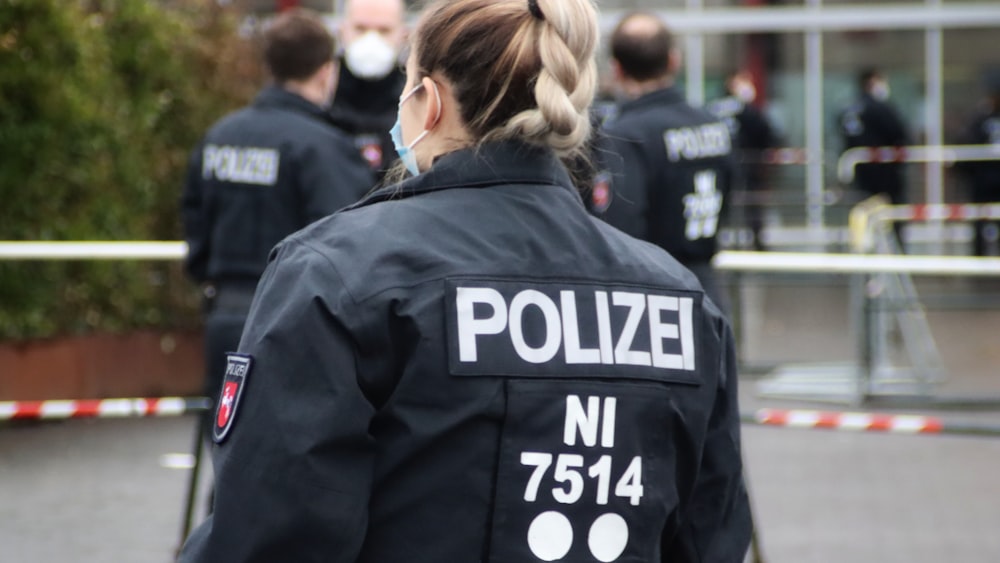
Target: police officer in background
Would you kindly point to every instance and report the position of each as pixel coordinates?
(752, 134)
(872, 121)
(666, 166)
(467, 366)
(984, 176)
(262, 173)
(373, 33)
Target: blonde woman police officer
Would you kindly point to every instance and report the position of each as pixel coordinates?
(467, 366)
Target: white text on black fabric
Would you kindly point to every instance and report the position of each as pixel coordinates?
(245, 165)
(693, 143)
(576, 478)
(616, 343)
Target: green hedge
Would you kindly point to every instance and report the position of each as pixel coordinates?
(100, 103)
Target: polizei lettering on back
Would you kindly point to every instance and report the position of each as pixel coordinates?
(693, 143)
(244, 165)
(511, 328)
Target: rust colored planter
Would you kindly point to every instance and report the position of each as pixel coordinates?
(141, 364)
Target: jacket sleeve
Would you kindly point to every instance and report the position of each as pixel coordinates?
(195, 220)
(294, 474)
(897, 129)
(717, 524)
(331, 176)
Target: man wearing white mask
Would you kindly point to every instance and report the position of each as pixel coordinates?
(373, 33)
(752, 134)
(872, 121)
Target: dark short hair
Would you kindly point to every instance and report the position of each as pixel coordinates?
(866, 76)
(642, 56)
(296, 45)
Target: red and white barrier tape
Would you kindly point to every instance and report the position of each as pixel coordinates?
(939, 212)
(102, 408)
(808, 419)
(852, 157)
(867, 422)
(785, 156)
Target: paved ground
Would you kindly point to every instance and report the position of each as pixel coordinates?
(98, 491)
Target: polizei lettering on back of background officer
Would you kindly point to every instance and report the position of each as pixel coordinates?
(244, 165)
(553, 329)
(692, 143)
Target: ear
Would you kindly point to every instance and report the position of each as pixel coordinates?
(675, 61)
(334, 78)
(433, 103)
(616, 71)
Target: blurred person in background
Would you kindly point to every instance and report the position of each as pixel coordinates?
(467, 366)
(372, 33)
(983, 177)
(752, 134)
(665, 167)
(872, 121)
(262, 173)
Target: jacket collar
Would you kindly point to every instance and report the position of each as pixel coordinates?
(276, 96)
(491, 164)
(666, 96)
(361, 103)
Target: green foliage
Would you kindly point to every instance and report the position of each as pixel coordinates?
(100, 104)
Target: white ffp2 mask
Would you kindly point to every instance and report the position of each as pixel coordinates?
(370, 57)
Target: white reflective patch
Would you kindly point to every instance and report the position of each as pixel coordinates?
(658, 331)
(702, 207)
(583, 421)
(636, 302)
(553, 327)
(571, 333)
(537, 327)
(691, 143)
(586, 422)
(550, 536)
(245, 165)
(469, 326)
(608, 537)
(604, 327)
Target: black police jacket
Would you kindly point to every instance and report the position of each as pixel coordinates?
(666, 169)
(367, 110)
(751, 133)
(872, 123)
(260, 174)
(983, 176)
(468, 367)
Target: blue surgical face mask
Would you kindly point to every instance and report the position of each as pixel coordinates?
(405, 152)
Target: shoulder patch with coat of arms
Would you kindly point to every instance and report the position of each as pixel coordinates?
(233, 384)
(600, 195)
